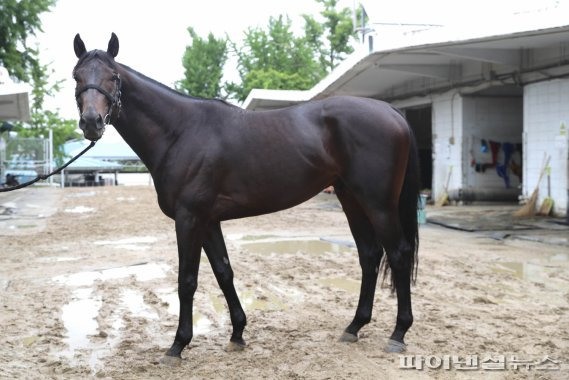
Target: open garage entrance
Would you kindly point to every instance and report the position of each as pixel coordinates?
(492, 145)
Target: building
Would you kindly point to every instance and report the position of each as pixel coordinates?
(488, 105)
(14, 106)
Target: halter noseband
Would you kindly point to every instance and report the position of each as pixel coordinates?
(114, 100)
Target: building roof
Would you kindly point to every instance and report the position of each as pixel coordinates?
(418, 63)
(14, 99)
(103, 150)
(86, 164)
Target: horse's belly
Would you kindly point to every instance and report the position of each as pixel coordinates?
(268, 196)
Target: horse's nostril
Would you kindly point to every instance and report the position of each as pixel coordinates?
(91, 120)
(100, 122)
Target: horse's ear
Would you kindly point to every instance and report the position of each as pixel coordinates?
(79, 46)
(113, 48)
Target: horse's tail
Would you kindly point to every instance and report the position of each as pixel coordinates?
(408, 205)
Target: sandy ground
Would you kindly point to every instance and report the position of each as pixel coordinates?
(88, 289)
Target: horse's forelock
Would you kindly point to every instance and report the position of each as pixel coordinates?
(95, 54)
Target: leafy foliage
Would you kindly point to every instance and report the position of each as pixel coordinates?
(63, 130)
(274, 58)
(18, 20)
(203, 62)
(336, 30)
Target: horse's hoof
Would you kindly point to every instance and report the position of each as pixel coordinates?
(395, 346)
(348, 337)
(171, 361)
(235, 346)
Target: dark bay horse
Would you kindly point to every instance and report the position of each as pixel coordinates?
(211, 161)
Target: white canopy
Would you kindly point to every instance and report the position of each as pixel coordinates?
(14, 99)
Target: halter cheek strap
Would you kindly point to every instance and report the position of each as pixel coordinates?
(114, 100)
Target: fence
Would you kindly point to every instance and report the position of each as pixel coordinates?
(24, 158)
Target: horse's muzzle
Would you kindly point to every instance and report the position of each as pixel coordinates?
(92, 125)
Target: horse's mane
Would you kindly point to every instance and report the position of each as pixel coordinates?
(103, 56)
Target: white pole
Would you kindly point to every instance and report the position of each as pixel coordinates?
(50, 155)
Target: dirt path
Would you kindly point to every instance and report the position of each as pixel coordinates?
(90, 291)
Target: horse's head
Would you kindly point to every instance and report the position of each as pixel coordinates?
(98, 87)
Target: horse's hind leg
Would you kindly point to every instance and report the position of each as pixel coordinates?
(400, 258)
(370, 253)
(214, 247)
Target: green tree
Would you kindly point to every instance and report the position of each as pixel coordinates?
(20, 19)
(332, 38)
(275, 58)
(63, 130)
(43, 120)
(203, 62)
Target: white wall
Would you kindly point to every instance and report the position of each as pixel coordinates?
(447, 137)
(497, 119)
(546, 109)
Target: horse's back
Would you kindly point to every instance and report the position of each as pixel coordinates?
(297, 151)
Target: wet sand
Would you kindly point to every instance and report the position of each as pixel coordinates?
(89, 290)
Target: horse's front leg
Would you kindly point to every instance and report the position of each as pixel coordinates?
(190, 232)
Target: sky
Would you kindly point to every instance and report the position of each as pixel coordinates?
(153, 34)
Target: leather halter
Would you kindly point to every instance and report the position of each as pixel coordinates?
(114, 100)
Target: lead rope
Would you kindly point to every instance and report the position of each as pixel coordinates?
(46, 176)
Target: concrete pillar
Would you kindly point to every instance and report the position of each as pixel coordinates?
(546, 130)
(447, 138)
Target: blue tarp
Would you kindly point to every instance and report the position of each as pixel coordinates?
(101, 157)
(88, 164)
(116, 150)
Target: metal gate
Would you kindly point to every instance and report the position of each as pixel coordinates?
(24, 158)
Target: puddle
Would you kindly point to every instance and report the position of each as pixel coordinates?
(250, 237)
(218, 304)
(170, 296)
(535, 270)
(82, 330)
(130, 199)
(85, 343)
(79, 210)
(82, 194)
(142, 272)
(56, 259)
(349, 285)
(79, 320)
(295, 295)
(312, 247)
(261, 299)
(201, 324)
(134, 302)
(133, 244)
(26, 225)
(560, 257)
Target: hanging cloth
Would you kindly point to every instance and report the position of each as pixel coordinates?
(494, 148)
(502, 170)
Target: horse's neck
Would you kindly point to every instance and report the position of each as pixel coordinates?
(144, 119)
